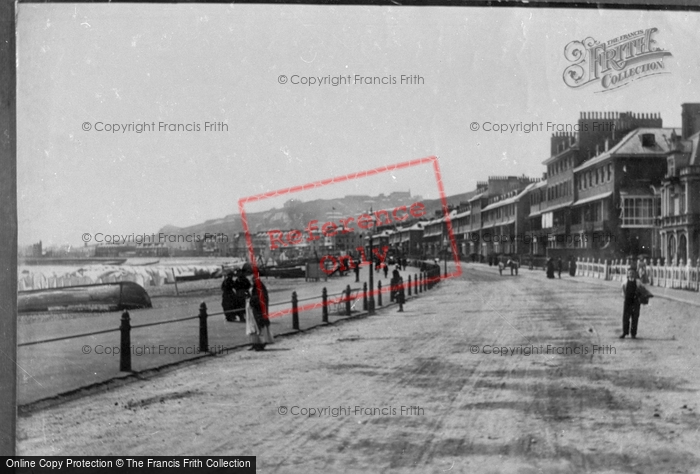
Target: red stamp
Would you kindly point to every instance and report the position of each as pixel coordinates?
(276, 239)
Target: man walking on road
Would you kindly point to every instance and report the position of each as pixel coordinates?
(630, 290)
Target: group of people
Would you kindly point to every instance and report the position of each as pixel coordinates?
(248, 302)
(551, 266)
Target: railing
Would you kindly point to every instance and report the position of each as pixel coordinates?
(342, 304)
(679, 275)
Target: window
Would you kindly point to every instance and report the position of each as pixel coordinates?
(681, 203)
(609, 171)
(638, 211)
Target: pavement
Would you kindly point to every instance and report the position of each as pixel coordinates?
(682, 296)
(483, 374)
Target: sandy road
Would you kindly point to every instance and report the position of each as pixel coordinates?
(423, 391)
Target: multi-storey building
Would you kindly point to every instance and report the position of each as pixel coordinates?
(578, 207)
(680, 192)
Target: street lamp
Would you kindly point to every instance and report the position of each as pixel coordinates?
(370, 304)
(445, 243)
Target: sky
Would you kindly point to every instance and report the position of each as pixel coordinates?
(82, 68)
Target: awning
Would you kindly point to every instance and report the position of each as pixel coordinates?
(554, 208)
(593, 198)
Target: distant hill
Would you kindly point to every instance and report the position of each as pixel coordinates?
(297, 214)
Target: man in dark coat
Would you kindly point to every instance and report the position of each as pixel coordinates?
(242, 287)
(630, 311)
(400, 294)
(395, 277)
(228, 297)
(572, 266)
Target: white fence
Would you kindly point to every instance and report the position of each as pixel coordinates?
(680, 275)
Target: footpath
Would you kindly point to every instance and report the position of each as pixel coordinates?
(681, 296)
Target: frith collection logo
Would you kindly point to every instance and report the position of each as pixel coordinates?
(614, 63)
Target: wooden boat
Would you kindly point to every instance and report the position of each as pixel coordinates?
(283, 272)
(120, 295)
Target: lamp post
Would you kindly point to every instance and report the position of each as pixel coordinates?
(444, 246)
(370, 304)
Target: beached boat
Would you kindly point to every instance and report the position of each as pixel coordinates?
(119, 295)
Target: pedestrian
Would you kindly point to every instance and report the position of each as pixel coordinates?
(560, 265)
(509, 264)
(395, 277)
(635, 295)
(516, 265)
(400, 294)
(258, 322)
(550, 267)
(642, 271)
(404, 263)
(228, 297)
(356, 269)
(500, 266)
(386, 270)
(572, 266)
(242, 287)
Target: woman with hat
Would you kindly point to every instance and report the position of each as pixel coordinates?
(257, 322)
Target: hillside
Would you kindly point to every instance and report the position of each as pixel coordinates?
(297, 214)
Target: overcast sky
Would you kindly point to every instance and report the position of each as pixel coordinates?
(191, 64)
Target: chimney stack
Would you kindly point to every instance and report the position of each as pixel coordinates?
(690, 120)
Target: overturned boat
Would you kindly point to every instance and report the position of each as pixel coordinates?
(100, 297)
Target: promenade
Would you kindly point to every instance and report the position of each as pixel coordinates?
(484, 373)
(49, 369)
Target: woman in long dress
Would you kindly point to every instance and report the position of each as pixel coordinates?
(228, 297)
(257, 322)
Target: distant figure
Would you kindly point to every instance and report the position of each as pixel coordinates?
(400, 294)
(560, 265)
(386, 270)
(500, 267)
(395, 277)
(514, 266)
(404, 263)
(228, 297)
(357, 271)
(242, 287)
(642, 271)
(572, 266)
(550, 268)
(635, 294)
(258, 323)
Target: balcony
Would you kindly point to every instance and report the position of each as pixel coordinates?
(683, 219)
(690, 170)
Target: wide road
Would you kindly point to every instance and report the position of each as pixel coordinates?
(483, 374)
